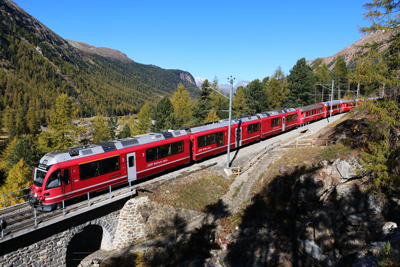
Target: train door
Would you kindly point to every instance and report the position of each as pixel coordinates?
(238, 136)
(66, 182)
(283, 123)
(131, 166)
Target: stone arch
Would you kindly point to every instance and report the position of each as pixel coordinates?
(108, 234)
(83, 240)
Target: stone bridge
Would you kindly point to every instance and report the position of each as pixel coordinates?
(114, 226)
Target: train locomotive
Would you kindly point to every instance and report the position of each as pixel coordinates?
(63, 175)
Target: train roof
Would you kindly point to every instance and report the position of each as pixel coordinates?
(327, 103)
(275, 112)
(211, 126)
(98, 148)
(248, 118)
(310, 107)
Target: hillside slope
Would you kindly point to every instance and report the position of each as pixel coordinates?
(36, 65)
(349, 52)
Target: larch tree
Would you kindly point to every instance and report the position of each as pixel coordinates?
(182, 105)
(143, 124)
(239, 102)
(63, 133)
(101, 131)
(301, 82)
(384, 16)
(277, 89)
(20, 176)
(211, 116)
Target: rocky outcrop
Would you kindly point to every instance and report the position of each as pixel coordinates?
(349, 222)
(186, 76)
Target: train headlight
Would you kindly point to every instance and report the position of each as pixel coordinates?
(35, 194)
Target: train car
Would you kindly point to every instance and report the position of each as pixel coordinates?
(211, 139)
(348, 104)
(77, 171)
(310, 113)
(273, 122)
(331, 107)
(248, 130)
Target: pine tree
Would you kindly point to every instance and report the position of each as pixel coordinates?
(256, 97)
(301, 82)
(161, 114)
(341, 79)
(25, 149)
(112, 124)
(203, 103)
(126, 132)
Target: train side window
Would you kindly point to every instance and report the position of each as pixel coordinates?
(252, 128)
(66, 176)
(89, 170)
(275, 122)
(131, 161)
(220, 139)
(110, 165)
(290, 117)
(54, 180)
(165, 151)
(201, 141)
(177, 147)
(151, 154)
(211, 139)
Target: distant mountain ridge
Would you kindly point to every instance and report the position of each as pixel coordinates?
(102, 51)
(349, 52)
(225, 87)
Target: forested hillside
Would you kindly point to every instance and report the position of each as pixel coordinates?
(37, 66)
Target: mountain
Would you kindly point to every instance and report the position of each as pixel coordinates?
(225, 87)
(37, 65)
(350, 51)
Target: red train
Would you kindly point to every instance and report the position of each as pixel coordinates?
(77, 171)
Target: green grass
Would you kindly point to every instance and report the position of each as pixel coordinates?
(237, 190)
(203, 192)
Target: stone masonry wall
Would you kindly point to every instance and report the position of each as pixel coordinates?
(140, 218)
(52, 251)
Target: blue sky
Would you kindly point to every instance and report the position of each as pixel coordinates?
(245, 39)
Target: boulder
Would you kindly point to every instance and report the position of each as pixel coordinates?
(347, 169)
(389, 228)
(310, 248)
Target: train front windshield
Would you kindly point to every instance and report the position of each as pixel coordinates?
(39, 177)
